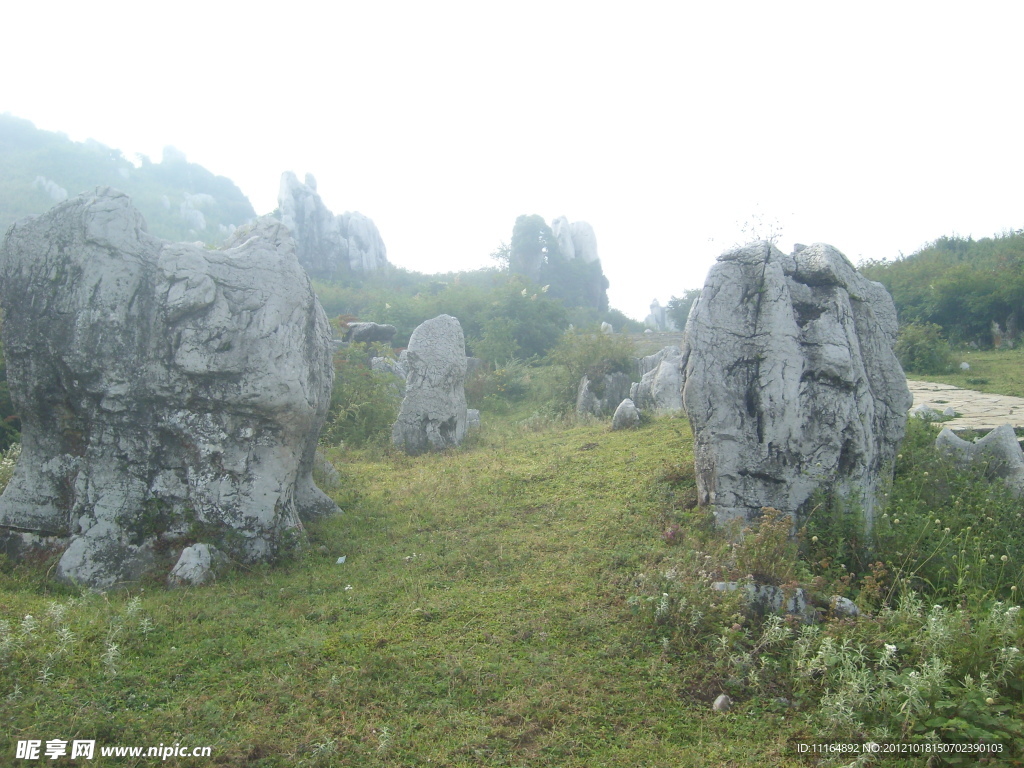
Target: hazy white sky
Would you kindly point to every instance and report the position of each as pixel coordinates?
(873, 126)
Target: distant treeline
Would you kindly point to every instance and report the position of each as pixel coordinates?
(972, 289)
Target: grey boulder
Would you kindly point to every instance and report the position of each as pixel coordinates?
(367, 333)
(626, 416)
(998, 454)
(790, 382)
(163, 388)
(660, 388)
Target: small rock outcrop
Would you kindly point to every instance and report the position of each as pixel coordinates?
(196, 566)
(163, 388)
(433, 413)
(626, 416)
(368, 333)
(660, 389)
(602, 395)
(790, 381)
(327, 245)
(998, 454)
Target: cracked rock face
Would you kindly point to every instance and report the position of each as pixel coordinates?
(166, 391)
(433, 413)
(790, 382)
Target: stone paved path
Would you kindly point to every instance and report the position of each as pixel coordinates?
(978, 410)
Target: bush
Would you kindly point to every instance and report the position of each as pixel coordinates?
(498, 389)
(364, 402)
(578, 354)
(922, 349)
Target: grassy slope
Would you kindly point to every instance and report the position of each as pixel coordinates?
(480, 619)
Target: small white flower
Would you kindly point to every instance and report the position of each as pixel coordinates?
(348, 587)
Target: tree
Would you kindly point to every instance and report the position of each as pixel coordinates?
(532, 244)
(678, 309)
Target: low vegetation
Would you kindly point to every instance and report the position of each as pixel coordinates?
(543, 597)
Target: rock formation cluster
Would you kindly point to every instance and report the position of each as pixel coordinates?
(169, 394)
(327, 245)
(790, 381)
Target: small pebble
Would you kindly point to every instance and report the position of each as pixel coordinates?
(722, 704)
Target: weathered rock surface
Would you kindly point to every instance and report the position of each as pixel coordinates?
(626, 416)
(327, 245)
(791, 384)
(998, 453)
(368, 333)
(433, 412)
(163, 388)
(602, 396)
(660, 389)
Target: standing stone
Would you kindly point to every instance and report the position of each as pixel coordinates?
(791, 384)
(163, 389)
(433, 412)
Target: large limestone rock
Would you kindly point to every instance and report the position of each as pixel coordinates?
(791, 384)
(327, 245)
(433, 412)
(167, 392)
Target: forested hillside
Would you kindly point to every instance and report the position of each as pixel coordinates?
(972, 289)
(180, 200)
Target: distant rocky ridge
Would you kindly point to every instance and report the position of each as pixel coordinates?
(575, 240)
(328, 245)
(181, 201)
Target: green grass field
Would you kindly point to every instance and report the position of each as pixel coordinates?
(1000, 372)
(540, 597)
(480, 619)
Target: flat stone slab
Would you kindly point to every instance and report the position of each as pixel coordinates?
(976, 410)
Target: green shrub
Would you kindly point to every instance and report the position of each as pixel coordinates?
(921, 348)
(364, 402)
(593, 354)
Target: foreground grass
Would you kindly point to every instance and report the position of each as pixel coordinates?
(481, 618)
